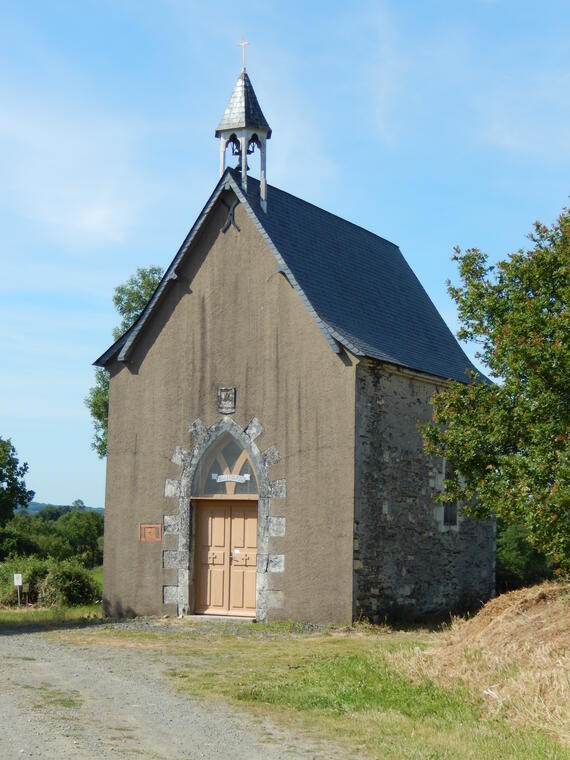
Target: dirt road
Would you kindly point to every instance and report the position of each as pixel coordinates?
(62, 700)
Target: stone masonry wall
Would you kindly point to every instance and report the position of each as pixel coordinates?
(406, 561)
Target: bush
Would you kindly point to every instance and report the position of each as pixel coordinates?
(51, 582)
(518, 563)
(33, 570)
(67, 583)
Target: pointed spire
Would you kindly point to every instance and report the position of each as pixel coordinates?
(243, 110)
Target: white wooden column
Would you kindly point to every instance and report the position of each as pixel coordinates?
(262, 179)
(243, 140)
(223, 144)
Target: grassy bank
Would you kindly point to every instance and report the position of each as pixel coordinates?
(362, 686)
(349, 686)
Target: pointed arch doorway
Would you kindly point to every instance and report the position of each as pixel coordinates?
(225, 544)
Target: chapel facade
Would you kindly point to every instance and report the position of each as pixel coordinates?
(264, 458)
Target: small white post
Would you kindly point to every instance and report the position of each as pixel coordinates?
(243, 140)
(223, 143)
(262, 180)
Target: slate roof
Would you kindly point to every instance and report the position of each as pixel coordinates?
(360, 285)
(243, 109)
(357, 286)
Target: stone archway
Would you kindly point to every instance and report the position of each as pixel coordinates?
(180, 522)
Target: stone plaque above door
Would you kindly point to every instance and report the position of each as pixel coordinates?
(226, 400)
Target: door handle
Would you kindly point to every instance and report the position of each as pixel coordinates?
(231, 558)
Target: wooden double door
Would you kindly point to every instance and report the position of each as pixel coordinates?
(225, 564)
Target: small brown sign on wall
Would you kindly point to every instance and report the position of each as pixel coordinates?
(150, 532)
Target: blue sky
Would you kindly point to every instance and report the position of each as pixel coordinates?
(430, 123)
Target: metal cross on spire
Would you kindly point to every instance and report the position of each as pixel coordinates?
(243, 43)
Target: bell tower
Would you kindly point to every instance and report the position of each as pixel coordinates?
(244, 128)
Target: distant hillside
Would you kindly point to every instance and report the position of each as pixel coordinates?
(37, 506)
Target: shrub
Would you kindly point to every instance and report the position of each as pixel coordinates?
(67, 583)
(518, 563)
(51, 582)
(33, 570)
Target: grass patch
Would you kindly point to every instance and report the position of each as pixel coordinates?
(346, 687)
(50, 696)
(50, 617)
(357, 682)
(346, 684)
(97, 575)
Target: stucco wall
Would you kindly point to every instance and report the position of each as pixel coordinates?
(406, 561)
(232, 320)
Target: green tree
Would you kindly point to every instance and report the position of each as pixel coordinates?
(510, 440)
(129, 300)
(13, 491)
(82, 530)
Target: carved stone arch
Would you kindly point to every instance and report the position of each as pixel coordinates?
(180, 523)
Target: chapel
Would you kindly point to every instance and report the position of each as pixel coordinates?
(264, 458)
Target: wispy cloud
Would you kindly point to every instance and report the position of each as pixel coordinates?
(530, 115)
(468, 81)
(72, 171)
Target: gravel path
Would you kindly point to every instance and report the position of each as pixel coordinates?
(61, 700)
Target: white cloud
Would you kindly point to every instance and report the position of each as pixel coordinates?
(475, 87)
(529, 115)
(75, 172)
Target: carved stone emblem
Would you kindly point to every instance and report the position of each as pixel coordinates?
(226, 400)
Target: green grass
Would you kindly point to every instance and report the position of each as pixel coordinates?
(345, 687)
(47, 695)
(341, 684)
(353, 683)
(97, 575)
(22, 617)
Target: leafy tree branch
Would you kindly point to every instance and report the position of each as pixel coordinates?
(129, 300)
(510, 440)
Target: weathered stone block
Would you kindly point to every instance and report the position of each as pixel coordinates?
(271, 456)
(170, 523)
(172, 489)
(278, 488)
(276, 563)
(169, 594)
(254, 429)
(276, 526)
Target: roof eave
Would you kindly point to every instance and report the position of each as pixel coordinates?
(111, 352)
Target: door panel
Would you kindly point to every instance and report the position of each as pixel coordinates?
(226, 558)
(212, 582)
(243, 570)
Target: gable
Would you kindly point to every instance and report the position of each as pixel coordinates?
(225, 292)
(356, 286)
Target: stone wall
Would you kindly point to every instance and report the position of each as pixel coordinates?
(406, 560)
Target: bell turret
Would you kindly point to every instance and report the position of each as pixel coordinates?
(244, 127)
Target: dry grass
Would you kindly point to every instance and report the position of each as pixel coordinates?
(383, 693)
(515, 654)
